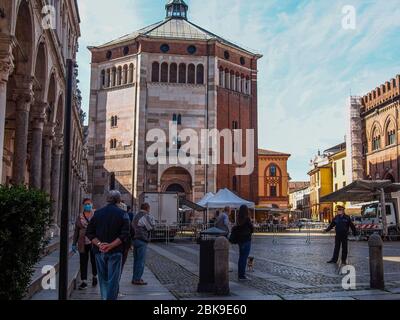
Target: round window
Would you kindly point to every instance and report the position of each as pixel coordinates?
(126, 51)
(192, 49)
(109, 54)
(227, 55)
(164, 48)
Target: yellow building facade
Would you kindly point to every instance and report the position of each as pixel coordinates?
(321, 185)
(339, 179)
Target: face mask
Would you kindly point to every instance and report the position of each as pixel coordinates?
(87, 207)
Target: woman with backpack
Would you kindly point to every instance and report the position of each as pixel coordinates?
(241, 235)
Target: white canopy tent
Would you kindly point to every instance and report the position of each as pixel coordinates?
(226, 198)
(204, 200)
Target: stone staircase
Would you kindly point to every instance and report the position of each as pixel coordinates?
(51, 258)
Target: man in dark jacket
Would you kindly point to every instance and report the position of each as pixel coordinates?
(342, 223)
(108, 230)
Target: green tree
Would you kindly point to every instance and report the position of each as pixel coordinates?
(24, 219)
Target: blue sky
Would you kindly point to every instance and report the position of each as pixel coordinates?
(310, 64)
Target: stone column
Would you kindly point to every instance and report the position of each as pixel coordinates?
(35, 179)
(24, 98)
(46, 168)
(55, 184)
(6, 68)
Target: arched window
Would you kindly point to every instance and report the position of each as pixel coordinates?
(164, 72)
(173, 73)
(179, 120)
(227, 79)
(182, 73)
(233, 81)
(155, 72)
(125, 75)
(131, 73)
(103, 78)
(191, 74)
(376, 140)
(114, 121)
(390, 134)
(108, 78)
(113, 77)
(221, 77)
(113, 144)
(247, 85)
(238, 87)
(174, 118)
(243, 83)
(119, 76)
(272, 171)
(200, 74)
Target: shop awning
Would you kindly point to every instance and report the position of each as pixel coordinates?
(362, 191)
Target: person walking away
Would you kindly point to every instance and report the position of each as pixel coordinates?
(342, 223)
(83, 245)
(241, 235)
(128, 242)
(142, 224)
(222, 220)
(108, 230)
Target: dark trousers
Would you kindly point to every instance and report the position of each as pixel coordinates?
(244, 252)
(340, 241)
(84, 262)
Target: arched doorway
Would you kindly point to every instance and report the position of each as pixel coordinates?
(177, 179)
(390, 177)
(175, 188)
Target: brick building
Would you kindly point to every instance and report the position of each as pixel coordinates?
(172, 71)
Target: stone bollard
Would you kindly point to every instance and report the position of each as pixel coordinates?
(375, 244)
(221, 266)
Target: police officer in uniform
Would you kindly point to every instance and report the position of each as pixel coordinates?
(342, 223)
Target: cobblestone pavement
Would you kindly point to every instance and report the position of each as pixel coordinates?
(285, 266)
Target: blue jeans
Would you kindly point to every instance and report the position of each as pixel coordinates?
(244, 252)
(109, 266)
(139, 258)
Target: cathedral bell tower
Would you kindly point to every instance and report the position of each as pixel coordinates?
(176, 9)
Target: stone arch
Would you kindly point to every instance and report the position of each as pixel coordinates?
(191, 74)
(25, 34)
(176, 176)
(155, 72)
(40, 71)
(182, 73)
(164, 72)
(200, 74)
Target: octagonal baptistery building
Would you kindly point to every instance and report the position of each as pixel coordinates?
(171, 71)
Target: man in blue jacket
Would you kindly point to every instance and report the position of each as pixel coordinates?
(108, 230)
(342, 223)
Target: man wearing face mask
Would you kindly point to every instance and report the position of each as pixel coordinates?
(82, 244)
(342, 223)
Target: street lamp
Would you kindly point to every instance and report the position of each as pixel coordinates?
(64, 233)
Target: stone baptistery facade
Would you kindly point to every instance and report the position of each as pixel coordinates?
(170, 72)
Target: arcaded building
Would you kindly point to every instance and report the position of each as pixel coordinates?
(171, 71)
(33, 55)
